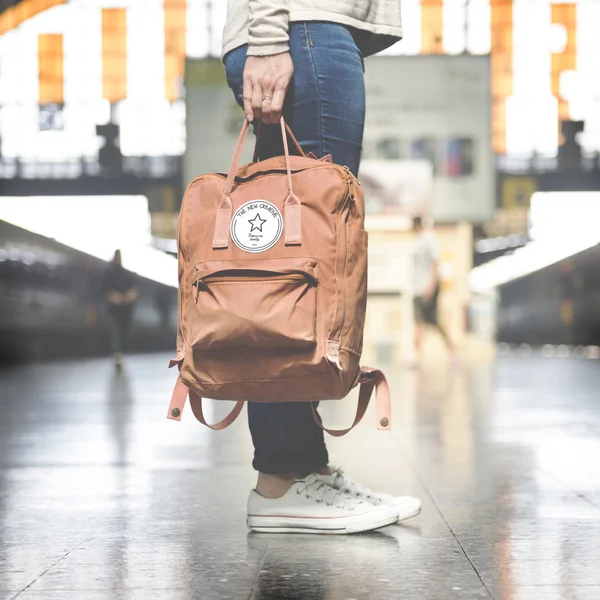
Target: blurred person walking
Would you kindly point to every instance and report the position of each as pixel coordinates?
(427, 285)
(120, 293)
(304, 58)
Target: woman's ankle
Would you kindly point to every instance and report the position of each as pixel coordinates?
(275, 486)
(326, 470)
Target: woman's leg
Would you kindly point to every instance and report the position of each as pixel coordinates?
(325, 107)
(325, 104)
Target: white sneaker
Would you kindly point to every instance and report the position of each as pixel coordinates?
(407, 506)
(312, 506)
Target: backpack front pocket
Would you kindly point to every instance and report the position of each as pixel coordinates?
(269, 303)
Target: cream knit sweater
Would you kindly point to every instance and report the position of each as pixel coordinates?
(263, 24)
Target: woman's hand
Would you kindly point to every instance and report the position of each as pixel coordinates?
(131, 296)
(114, 298)
(266, 79)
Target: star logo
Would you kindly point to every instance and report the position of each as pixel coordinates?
(266, 225)
(257, 223)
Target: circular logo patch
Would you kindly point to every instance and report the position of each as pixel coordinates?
(256, 226)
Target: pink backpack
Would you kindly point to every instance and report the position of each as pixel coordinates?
(273, 287)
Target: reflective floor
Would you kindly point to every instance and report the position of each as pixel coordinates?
(102, 498)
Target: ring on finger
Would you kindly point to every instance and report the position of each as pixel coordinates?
(267, 98)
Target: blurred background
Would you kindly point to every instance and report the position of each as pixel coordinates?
(480, 122)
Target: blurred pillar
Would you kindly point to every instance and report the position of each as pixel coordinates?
(114, 54)
(175, 44)
(13, 16)
(502, 69)
(164, 211)
(432, 26)
(51, 68)
(565, 15)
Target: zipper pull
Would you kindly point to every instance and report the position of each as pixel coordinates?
(197, 284)
(350, 179)
(351, 190)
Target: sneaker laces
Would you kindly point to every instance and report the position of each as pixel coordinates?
(348, 486)
(314, 487)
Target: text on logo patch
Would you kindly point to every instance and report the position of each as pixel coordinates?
(256, 226)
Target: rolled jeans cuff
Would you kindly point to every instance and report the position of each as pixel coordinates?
(303, 463)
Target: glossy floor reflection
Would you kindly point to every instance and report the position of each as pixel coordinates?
(102, 498)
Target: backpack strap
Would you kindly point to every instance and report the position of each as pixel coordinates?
(292, 204)
(370, 379)
(181, 392)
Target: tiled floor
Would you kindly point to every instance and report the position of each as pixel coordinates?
(102, 498)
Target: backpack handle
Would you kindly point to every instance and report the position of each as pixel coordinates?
(292, 205)
(370, 379)
(180, 395)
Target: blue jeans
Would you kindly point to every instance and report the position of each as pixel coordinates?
(325, 108)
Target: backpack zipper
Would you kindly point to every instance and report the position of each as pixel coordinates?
(347, 177)
(259, 173)
(347, 206)
(349, 196)
(204, 283)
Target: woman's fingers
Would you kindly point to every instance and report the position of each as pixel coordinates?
(266, 79)
(277, 105)
(267, 102)
(257, 101)
(248, 110)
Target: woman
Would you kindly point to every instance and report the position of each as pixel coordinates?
(305, 58)
(120, 292)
